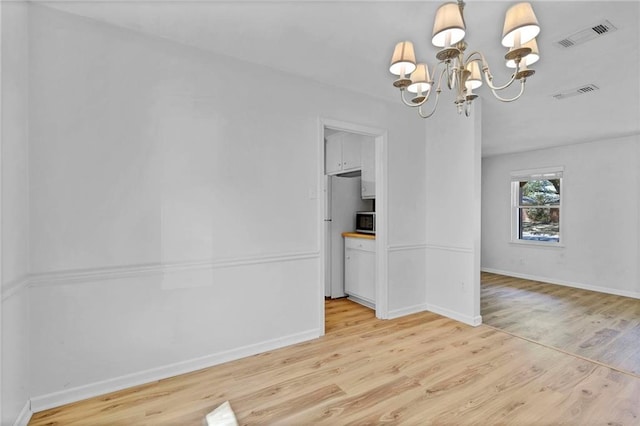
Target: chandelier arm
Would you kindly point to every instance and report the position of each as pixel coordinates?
(435, 106)
(428, 94)
(487, 72)
(512, 99)
(438, 91)
(411, 104)
(444, 71)
(474, 53)
(489, 78)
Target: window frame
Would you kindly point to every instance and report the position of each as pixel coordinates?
(547, 173)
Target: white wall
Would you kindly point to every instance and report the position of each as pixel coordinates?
(406, 196)
(15, 254)
(453, 157)
(599, 217)
(174, 215)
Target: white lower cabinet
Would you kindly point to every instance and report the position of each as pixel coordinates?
(360, 269)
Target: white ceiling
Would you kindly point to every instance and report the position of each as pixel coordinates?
(348, 44)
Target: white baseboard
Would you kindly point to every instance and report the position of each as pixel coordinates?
(361, 301)
(397, 313)
(24, 416)
(607, 290)
(474, 321)
(79, 393)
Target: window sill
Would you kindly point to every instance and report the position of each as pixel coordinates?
(532, 243)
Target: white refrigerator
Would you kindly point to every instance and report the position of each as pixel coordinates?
(342, 201)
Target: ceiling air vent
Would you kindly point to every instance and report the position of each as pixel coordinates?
(583, 36)
(588, 88)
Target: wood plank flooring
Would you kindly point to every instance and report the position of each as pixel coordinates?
(600, 327)
(417, 370)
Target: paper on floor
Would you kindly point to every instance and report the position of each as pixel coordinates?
(222, 416)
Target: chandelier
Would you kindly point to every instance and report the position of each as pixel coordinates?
(464, 74)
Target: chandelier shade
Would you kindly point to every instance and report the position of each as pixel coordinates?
(420, 80)
(475, 78)
(531, 58)
(448, 27)
(520, 25)
(403, 60)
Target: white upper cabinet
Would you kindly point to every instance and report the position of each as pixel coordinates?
(368, 154)
(333, 154)
(351, 151)
(348, 152)
(342, 153)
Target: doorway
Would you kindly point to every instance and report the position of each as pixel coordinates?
(378, 137)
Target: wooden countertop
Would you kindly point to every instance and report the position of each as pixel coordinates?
(359, 235)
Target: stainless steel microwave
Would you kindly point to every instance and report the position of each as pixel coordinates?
(366, 222)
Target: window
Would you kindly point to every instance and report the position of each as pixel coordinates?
(536, 205)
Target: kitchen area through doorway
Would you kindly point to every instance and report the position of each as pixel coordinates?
(349, 220)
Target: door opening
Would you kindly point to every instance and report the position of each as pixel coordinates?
(353, 180)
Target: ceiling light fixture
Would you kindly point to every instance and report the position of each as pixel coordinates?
(465, 74)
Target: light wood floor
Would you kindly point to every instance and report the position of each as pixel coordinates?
(420, 369)
(600, 327)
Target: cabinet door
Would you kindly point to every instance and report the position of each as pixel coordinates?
(359, 274)
(367, 266)
(359, 270)
(368, 168)
(333, 154)
(352, 272)
(351, 147)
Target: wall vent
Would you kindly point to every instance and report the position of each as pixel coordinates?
(601, 28)
(587, 88)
